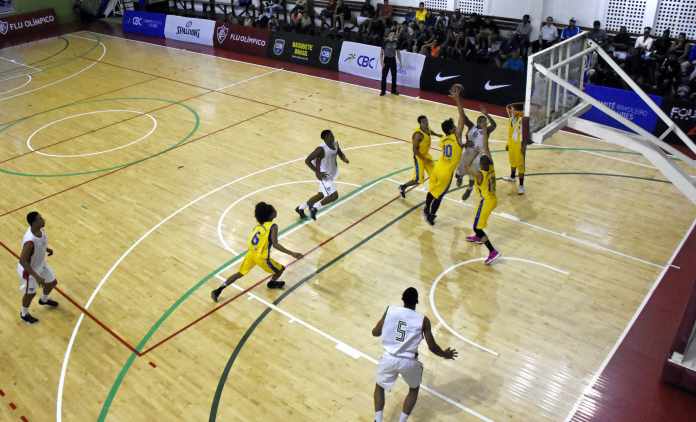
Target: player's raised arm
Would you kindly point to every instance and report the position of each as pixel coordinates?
(313, 161)
(449, 353)
(377, 331)
(491, 122)
(278, 246)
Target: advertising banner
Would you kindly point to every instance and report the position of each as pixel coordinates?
(304, 49)
(242, 39)
(481, 81)
(363, 60)
(18, 25)
(683, 113)
(145, 23)
(193, 30)
(626, 103)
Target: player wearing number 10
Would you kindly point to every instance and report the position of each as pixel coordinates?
(262, 238)
(402, 329)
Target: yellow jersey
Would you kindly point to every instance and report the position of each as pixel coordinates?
(425, 143)
(487, 186)
(421, 15)
(260, 240)
(451, 153)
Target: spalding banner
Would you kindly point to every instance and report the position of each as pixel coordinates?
(242, 39)
(304, 49)
(198, 31)
(18, 25)
(363, 60)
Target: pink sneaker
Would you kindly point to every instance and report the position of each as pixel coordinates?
(492, 257)
(474, 239)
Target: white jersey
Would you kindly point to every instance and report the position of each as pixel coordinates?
(38, 258)
(402, 332)
(475, 136)
(328, 164)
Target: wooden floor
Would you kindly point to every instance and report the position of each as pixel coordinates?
(144, 226)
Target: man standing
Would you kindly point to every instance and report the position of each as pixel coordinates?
(402, 329)
(32, 267)
(390, 59)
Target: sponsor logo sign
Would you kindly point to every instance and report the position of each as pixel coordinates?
(627, 103)
(241, 39)
(363, 60)
(483, 82)
(145, 23)
(304, 49)
(193, 30)
(17, 25)
(683, 113)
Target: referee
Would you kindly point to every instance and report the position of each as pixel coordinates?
(388, 58)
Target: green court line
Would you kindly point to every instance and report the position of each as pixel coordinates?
(153, 329)
(66, 44)
(194, 129)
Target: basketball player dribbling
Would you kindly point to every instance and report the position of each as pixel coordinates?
(322, 161)
(402, 329)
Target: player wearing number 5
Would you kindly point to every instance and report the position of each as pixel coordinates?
(262, 238)
(402, 329)
(443, 171)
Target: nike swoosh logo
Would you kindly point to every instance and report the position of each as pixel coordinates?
(440, 78)
(490, 87)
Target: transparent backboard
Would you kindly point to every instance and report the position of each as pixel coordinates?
(548, 104)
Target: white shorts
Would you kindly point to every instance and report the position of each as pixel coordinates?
(471, 159)
(27, 283)
(327, 187)
(411, 370)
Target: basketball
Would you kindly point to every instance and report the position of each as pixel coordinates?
(457, 88)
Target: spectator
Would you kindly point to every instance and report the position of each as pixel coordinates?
(342, 13)
(367, 13)
(389, 58)
(458, 21)
(570, 31)
(622, 40)
(681, 46)
(522, 33)
(661, 45)
(421, 13)
(548, 33)
(598, 35)
(327, 15)
(299, 4)
(386, 12)
(485, 33)
(514, 62)
(644, 43)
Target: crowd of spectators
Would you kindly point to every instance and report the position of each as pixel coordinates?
(660, 65)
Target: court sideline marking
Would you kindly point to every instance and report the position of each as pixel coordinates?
(29, 79)
(588, 389)
(440, 276)
(71, 341)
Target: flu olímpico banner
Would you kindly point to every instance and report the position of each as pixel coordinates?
(18, 25)
(193, 30)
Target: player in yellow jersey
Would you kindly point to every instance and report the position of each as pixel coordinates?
(422, 160)
(443, 170)
(262, 238)
(516, 146)
(485, 185)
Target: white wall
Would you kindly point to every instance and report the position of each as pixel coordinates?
(585, 12)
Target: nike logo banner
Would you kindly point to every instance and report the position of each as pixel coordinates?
(482, 82)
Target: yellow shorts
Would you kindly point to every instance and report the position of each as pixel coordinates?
(420, 168)
(268, 264)
(485, 209)
(516, 156)
(440, 180)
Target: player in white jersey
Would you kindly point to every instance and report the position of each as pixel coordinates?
(402, 329)
(32, 267)
(476, 146)
(322, 161)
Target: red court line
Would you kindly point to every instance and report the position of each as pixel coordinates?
(258, 283)
(83, 310)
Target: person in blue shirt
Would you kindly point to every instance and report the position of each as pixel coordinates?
(514, 62)
(570, 31)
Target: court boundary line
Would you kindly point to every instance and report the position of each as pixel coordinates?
(439, 277)
(29, 79)
(589, 387)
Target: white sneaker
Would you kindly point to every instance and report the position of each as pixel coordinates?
(520, 190)
(509, 179)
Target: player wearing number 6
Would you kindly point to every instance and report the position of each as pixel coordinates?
(402, 329)
(443, 171)
(262, 238)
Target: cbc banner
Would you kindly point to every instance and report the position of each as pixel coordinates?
(242, 39)
(363, 60)
(198, 31)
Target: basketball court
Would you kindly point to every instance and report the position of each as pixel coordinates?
(146, 162)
